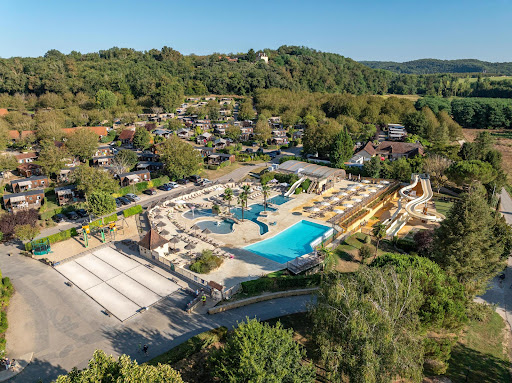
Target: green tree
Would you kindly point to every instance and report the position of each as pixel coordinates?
(265, 190)
(51, 158)
(180, 158)
(436, 166)
(26, 232)
(8, 162)
(469, 172)
(329, 260)
(124, 160)
(82, 143)
(105, 99)
(233, 132)
(228, 197)
(106, 369)
(101, 203)
(342, 149)
(212, 110)
(367, 328)
(401, 170)
(372, 167)
(365, 252)
(466, 245)
(379, 232)
(169, 96)
(262, 131)
(246, 110)
(242, 201)
(91, 180)
(141, 138)
(259, 352)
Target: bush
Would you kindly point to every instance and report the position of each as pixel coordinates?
(366, 251)
(267, 177)
(213, 167)
(110, 218)
(298, 190)
(224, 164)
(306, 184)
(137, 209)
(206, 263)
(140, 187)
(280, 283)
(160, 181)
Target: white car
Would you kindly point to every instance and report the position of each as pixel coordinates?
(132, 197)
(174, 185)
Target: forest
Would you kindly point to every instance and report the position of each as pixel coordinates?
(431, 66)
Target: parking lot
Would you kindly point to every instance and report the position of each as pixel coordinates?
(120, 284)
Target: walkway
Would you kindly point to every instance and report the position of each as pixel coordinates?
(63, 327)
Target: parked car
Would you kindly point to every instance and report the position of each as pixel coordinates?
(174, 185)
(132, 197)
(82, 213)
(254, 144)
(205, 182)
(165, 187)
(183, 181)
(72, 216)
(118, 202)
(58, 218)
(195, 178)
(149, 191)
(124, 201)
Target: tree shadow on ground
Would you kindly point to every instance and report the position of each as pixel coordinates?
(468, 365)
(39, 371)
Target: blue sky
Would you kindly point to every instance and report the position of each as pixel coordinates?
(360, 29)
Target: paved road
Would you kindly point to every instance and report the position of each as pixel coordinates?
(500, 291)
(63, 326)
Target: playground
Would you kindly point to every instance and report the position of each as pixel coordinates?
(76, 245)
(122, 285)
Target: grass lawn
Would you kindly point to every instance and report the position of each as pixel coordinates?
(480, 354)
(443, 206)
(347, 254)
(214, 174)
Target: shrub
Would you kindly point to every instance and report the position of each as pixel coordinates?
(9, 222)
(206, 263)
(140, 187)
(110, 218)
(298, 190)
(306, 184)
(267, 177)
(213, 167)
(366, 251)
(137, 209)
(160, 181)
(224, 164)
(280, 283)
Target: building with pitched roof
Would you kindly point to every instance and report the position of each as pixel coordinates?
(153, 245)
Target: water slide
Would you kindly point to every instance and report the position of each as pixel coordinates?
(404, 212)
(294, 186)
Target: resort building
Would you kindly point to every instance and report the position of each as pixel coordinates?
(392, 150)
(29, 169)
(66, 194)
(30, 183)
(16, 201)
(132, 178)
(153, 245)
(396, 131)
(323, 177)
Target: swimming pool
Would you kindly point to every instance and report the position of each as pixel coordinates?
(279, 199)
(198, 213)
(252, 213)
(217, 227)
(292, 242)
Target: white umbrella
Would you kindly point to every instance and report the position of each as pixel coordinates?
(179, 202)
(315, 209)
(348, 205)
(357, 199)
(220, 188)
(380, 186)
(343, 194)
(324, 203)
(283, 184)
(339, 211)
(365, 195)
(365, 181)
(335, 199)
(384, 182)
(372, 191)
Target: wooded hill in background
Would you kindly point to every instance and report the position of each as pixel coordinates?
(430, 66)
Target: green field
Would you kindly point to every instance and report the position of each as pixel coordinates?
(493, 78)
(443, 206)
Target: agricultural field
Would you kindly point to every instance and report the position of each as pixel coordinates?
(411, 97)
(503, 144)
(492, 78)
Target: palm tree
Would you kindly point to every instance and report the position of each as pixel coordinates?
(265, 189)
(246, 190)
(228, 196)
(379, 232)
(242, 200)
(329, 260)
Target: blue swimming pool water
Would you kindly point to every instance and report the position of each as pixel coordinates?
(198, 213)
(217, 227)
(252, 213)
(290, 243)
(279, 199)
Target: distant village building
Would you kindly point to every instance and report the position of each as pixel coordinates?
(29, 169)
(132, 178)
(263, 56)
(396, 132)
(34, 182)
(25, 158)
(66, 194)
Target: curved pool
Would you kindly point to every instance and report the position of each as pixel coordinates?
(198, 213)
(217, 227)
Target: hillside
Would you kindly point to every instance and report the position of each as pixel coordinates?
(432, 66)
(157, 73)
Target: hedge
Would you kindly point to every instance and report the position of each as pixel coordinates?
(280, 283)
(141, 186)
(224, 164)
(63, 235)
(137, 209)
(213, 167)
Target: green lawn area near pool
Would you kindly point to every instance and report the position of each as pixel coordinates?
(443, 206)
(480, 356)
